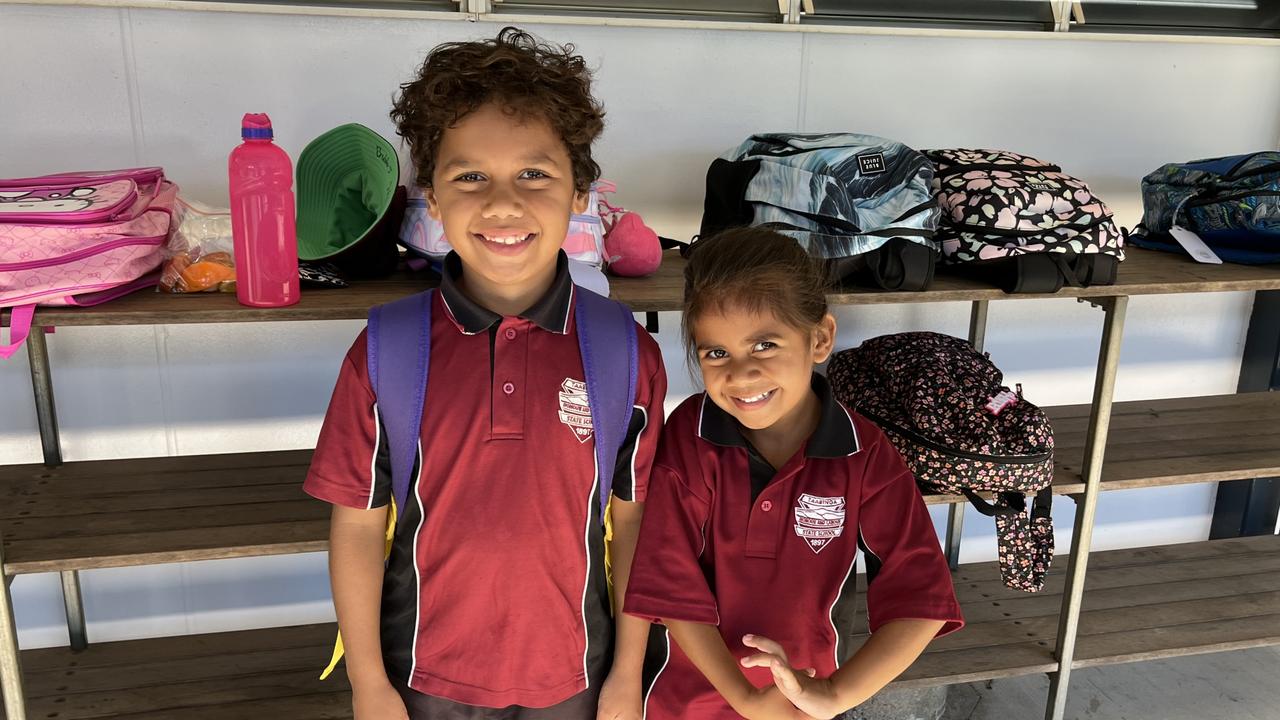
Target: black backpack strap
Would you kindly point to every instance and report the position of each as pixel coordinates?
(900, 264)
(1011, 505)
(1096, 269)
(725, 205)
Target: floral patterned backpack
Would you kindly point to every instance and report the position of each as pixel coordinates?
(961, 431)
(1021, 223)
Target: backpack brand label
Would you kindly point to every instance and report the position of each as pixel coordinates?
(871, 163)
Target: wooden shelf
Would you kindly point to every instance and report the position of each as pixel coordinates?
(225, 676)
(1140, 604)
(1145, 272)
(113, 513)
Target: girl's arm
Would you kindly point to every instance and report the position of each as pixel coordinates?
(357, 546)
(885, 656)
(706, 649)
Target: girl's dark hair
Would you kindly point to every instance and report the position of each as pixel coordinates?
(527, 77)
(756, 270)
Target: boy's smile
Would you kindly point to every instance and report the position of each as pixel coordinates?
(504, 190)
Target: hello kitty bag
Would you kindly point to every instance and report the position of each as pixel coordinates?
(79, 239)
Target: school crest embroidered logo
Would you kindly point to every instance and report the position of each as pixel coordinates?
(575, 409)
(819, 520)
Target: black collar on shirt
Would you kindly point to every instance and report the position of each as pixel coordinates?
(835, 436)
(550, 313)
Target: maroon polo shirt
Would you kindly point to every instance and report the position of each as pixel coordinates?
(495, 591)
(728, 541)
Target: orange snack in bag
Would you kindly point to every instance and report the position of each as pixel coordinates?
(206, 274)
(171, 276)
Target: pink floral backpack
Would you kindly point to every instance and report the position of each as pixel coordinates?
(945, 407)
(79, 239)
(1021, 223)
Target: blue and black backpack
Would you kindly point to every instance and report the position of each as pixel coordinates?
(863, 204)
(1231, 203)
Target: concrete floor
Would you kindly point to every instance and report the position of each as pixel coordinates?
(1239, 685)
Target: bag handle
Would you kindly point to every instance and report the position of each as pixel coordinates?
(999, 509)
(1025, 542)
(19, 329)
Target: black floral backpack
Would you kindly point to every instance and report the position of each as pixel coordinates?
(1022, 224)
(961, 431)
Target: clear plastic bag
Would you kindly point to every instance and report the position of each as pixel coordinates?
(199, 254)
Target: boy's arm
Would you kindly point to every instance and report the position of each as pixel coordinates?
(356, 550)
(706, 649)
(621, 696)
(885, 656)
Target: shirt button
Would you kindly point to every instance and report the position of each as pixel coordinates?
(767, 505)
(508, 388)
(511, 333)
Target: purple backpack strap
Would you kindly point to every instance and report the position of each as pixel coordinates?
(607, 341)
(399, 355)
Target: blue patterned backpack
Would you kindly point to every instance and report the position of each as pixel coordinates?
(1231, 203)
(860, 202)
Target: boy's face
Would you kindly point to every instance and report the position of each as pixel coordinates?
(756, 367)
(503, 189)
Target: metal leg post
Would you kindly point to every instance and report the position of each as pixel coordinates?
(1087, 506)
(15, 699)
(955, 515)
(47, 417)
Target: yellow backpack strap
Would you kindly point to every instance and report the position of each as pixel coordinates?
(338, 650)
(608, 543)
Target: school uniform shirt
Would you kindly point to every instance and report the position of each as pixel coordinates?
(728, 541)
(495, 591)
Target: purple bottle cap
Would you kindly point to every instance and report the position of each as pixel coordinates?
(256, 126)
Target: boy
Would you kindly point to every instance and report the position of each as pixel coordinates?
(493, 602)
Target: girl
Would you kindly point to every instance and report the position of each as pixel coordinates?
(763, 492)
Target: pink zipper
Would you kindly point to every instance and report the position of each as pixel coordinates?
(79, 254)
(138, 175)
(73, 218)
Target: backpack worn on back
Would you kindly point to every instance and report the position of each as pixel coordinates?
(79, 239)
(399, 358)
(960, 431)
(1021, 223)
(1231, 203)
(860, 202)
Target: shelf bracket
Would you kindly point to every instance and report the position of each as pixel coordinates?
(1104, 304)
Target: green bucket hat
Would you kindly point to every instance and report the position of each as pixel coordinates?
(346, 180)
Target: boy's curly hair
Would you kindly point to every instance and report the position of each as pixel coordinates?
(530, 78)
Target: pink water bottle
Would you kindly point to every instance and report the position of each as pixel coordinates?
(262, 218)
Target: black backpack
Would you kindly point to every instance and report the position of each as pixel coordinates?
(960, 430)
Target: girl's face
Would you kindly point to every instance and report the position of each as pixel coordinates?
(756, 367)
